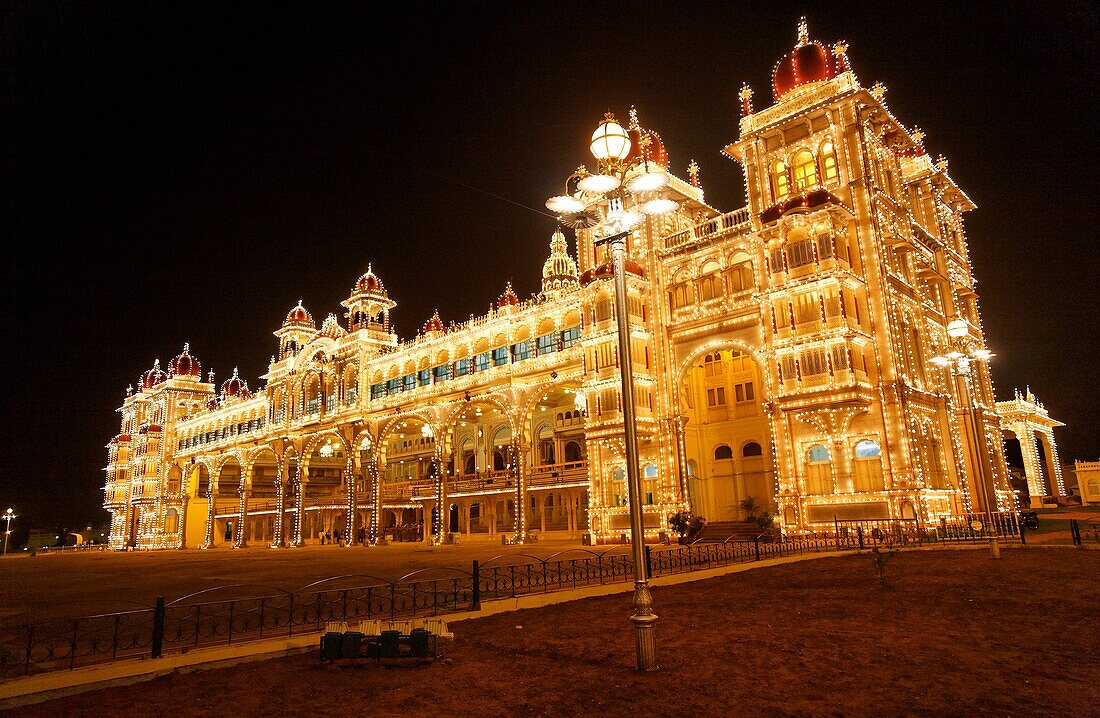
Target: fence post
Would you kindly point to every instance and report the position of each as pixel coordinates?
(158, 628)
(1020, 526)
(475, 601)
(1075, 532)
(859, 535)
(648, 561)
(756, 546)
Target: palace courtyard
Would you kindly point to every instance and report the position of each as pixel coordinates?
(49, 586)
(952, 633)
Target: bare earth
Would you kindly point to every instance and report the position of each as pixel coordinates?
(953, 634)
(53, 586)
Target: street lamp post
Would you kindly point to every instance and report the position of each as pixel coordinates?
(644, 619)
(8, 516)
(625, 188)
(961, 351)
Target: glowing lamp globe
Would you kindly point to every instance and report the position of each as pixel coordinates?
(598, 184)
(647, 182)
(610, 141)
(956, 329)
(564, 204)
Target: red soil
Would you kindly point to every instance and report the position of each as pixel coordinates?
(952, 633)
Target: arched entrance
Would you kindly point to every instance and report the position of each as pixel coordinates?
(727, 437)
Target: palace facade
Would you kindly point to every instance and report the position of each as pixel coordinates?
(781, 355)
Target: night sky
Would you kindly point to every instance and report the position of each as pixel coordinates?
(177, 172)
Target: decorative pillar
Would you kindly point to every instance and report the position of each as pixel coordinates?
(1033, 470)
(239, 538)
(298, 486)
(352, 495)
(208, 539)
(439, 527)
(1058, 484)
(519, 478)
(679, 426)
(185, 502)
(369, 461)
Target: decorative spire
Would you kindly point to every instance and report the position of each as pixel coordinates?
(803, 32)
(559, 272)
(746, 100)
(693, 174)
(878, 91)
(840, 51)
(633, 124)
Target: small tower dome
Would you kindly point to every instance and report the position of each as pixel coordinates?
(559, 271)
(185, 364)
(508, 298)
(154, 376)
(233, 386)
(298, 316)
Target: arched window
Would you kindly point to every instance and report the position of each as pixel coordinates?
(804, 170)
(827, 158)
(498, 461)
(722, 451)
(712, 364)
(819, 470)
(868, 466)
(739, 278)
(779, 181)
(573, 451)
(867, 449)
(751, 449)
(469, 464)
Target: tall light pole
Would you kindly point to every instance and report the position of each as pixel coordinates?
(624, 188)
(8, 516)
(959, 354)
(644, 619)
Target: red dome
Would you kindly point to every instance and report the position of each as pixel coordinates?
(608, 270)
(508, 299)
(370, 282)
(653, 149)
(233, 386)
(435, 324)
(808, 62)
(299, 315)
(154, 376)
(185, 364)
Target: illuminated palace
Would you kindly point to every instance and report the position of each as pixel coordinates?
(782, 352)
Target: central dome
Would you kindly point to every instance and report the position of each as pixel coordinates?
(807, 63)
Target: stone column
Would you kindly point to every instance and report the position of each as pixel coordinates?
(208, 539)
(439, 526)
(297, 485)
(239, 540)
(1033, 471)
(277, 540)
(519, 477)
(352, 499)
(374, 533)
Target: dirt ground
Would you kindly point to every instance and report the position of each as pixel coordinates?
(952, 634)
(47, 586)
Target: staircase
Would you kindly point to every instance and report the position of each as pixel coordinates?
(718, 531)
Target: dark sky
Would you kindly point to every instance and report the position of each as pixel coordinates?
(179, 171)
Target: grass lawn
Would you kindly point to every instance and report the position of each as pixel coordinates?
(953, 633)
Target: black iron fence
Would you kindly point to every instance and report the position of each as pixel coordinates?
(245, 612)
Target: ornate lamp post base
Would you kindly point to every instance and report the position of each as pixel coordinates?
(645, 633)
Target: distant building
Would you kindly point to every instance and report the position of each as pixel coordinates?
(781, 352)
(1088, 481)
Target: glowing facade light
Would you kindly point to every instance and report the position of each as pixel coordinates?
(610, 141)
